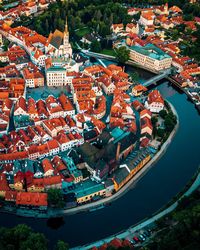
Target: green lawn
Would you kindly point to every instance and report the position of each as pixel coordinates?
(109, 52)
(82, 32)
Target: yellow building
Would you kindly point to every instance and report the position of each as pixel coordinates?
(36, 186)
(128, 170)
(89, 190)
(17, 186)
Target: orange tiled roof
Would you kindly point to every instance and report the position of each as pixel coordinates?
(155, 96)
(31, 199)
(47, 165)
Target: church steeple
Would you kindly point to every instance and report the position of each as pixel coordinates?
(66, 45)
(66, 27)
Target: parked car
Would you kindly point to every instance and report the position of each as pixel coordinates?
(141, 237)
(133, 242)
(136, 239)
(146, 233)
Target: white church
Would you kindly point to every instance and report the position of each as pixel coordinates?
(58, 43)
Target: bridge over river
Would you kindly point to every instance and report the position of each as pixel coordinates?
(158, 77)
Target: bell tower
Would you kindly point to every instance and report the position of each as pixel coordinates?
(66, 35)
(67, 49)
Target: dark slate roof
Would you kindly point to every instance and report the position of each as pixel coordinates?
(38, 167)
(23, 166)
(109, 182)
(75, 156)
(90, 37)
(100, 165)
(120, 175)
(127, 141)
(56, 39)
(91, 134)
(136, 158)
(79, 58)
(103, 138)
(88, 152)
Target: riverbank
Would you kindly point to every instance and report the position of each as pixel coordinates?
(87, 207)
(145, 223)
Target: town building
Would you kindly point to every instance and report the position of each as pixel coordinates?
(150, 57)
(155, 102)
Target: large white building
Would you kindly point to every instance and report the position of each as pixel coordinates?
(150, 57)
(56, 70)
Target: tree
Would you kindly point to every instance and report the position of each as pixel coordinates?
(6, 44)
(21, 237)
(169, 124)
(55, 198)
(95, 46)
(154, 120)
(61, 245)
(98, 15)
(188, 17)
(21, 232)
(122, 54)
(163, 113)
(161, 132)
(34, 241)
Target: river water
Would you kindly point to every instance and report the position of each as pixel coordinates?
(163, 181)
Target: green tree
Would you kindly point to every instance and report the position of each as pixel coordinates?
(95, 46)
(154, 120)
(6, 44)
(122, 54)
(169, 124)
(161, 132)
(34, 241)
(55, 198)
(61, 245)
(163, 113)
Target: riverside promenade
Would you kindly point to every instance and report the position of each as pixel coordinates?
(128, 233)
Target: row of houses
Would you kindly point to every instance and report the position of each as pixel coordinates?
(49, 108)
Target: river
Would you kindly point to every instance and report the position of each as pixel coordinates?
(167, 177)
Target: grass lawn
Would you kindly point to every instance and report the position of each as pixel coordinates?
(109, 52)
(82, 32)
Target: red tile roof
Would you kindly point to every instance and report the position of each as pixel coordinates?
(155, 96)
(47, 165)
(32, 199)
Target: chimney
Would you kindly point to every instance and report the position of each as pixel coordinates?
(118, 151)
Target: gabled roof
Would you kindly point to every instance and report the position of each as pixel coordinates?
(56, 38)
(32, 199)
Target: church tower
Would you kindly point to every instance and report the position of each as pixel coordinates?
(66, 35)
(66, 45)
